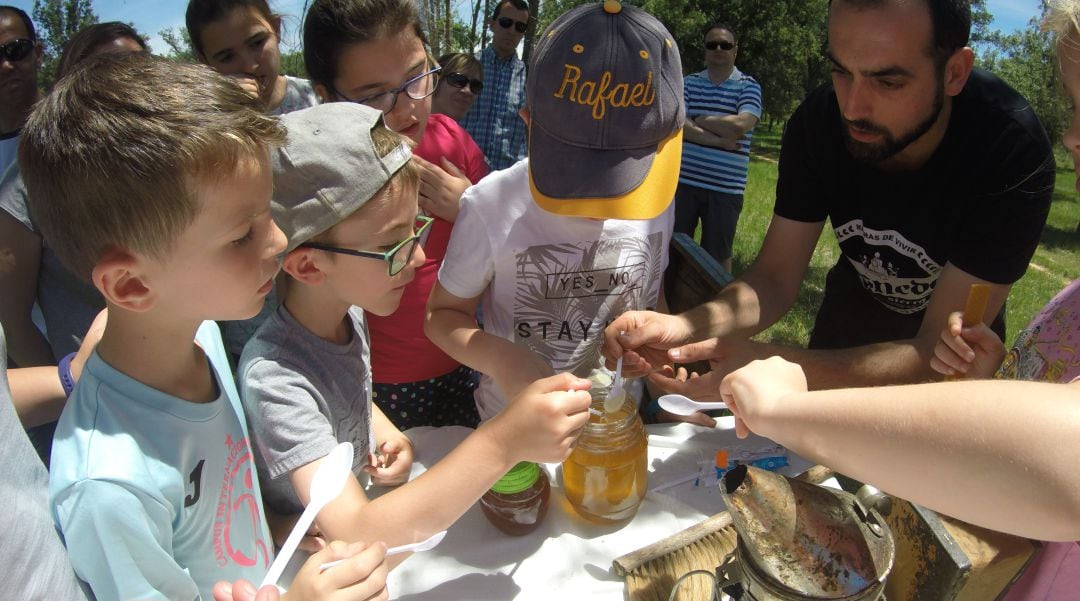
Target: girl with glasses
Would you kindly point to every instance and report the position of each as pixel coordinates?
(241, 38)
(462, 79)
(374, 52)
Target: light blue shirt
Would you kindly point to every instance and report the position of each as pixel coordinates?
(157, 497)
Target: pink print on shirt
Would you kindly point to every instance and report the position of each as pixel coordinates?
(238, 506)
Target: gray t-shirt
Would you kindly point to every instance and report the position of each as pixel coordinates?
(298, 95)
(302, 396)
(9, 146)
(69, 304)
(35, 563)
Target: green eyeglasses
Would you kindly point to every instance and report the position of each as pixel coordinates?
(396, 258)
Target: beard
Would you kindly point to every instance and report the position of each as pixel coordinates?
(890, 145)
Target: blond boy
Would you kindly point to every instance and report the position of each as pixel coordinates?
(346, 196)
(158, 185)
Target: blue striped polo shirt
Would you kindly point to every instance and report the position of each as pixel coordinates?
(715, 168)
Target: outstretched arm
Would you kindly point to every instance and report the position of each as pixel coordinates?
(982, 451)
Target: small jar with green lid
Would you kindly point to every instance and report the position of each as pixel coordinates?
(518, 502)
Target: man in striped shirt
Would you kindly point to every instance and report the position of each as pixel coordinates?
(494, 121)
(722, 107)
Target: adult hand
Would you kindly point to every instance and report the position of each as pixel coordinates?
(749, 392)
(542, 423)
(973, 352)
(441, 188)
(642, 339)
(667, 381)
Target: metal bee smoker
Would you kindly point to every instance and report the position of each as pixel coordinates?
(800, 542)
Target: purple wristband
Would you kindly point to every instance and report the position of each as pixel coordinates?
(64, 369)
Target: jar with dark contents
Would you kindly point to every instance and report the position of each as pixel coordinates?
(518, 502)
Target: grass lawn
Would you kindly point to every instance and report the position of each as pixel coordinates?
(1056, 261)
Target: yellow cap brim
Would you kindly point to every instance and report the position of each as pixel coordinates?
(646, 201)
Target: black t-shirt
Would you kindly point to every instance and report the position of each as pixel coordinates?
(979, 202)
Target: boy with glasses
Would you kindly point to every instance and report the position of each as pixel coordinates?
(345, 193)
(723, 105)
(20, 58)
(494, 121)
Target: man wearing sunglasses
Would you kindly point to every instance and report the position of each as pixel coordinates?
(722, 107)
(494, 121)
(20, 57)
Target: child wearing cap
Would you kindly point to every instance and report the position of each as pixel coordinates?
(151, 178)
(560, 244)
(345, 193)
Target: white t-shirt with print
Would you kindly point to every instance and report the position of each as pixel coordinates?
(549, 282)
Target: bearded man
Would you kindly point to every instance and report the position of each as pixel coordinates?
(933, 175)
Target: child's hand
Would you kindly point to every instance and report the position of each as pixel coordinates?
(362, 577)
(441, 188)
(749, 391)
(394, 459)
(247, 82)
(518, 368)
(973, 352)
(242, 590)
(542, 423)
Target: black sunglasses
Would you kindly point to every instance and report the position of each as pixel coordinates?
(506, 22)
(720, 45)
(460, 80)
(16, 50)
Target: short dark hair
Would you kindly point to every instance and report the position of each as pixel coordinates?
(331, 25)
(718, 25)
(950, 21)
(27, 23)
(89, 38)
(518, 4)
(201, 13)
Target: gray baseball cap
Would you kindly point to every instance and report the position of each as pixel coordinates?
(605, 96)
(328, 168)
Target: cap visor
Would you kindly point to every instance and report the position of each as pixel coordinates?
(612, 184)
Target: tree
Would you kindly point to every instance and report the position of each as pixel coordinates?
(57, 21)
(179, 43)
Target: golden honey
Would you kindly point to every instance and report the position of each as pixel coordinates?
(605, 476)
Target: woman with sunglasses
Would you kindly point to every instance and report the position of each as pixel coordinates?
(374, 52)
(462, 80)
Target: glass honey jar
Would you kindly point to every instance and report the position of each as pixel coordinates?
(518, 502)
(605, 476)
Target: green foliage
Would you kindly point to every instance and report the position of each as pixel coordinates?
(57, 21)
(179, 43)
(1027, 61)
(292, 63)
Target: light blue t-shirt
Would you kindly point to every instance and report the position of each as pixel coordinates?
(157, 497)
(711, 168)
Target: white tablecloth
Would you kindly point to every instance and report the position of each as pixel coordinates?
(566, 557)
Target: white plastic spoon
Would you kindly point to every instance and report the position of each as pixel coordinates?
(423, 545)
(329, 479)
(616, 396)
(680, 405)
